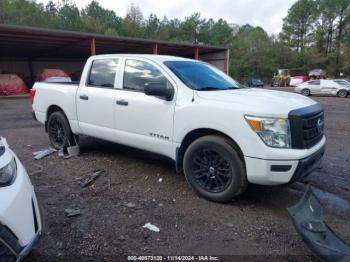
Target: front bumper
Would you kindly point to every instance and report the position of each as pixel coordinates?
(307, 218)
(20, 218)
(276, 172)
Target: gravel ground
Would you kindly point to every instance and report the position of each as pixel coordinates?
(130, 194)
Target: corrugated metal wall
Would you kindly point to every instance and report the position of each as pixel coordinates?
(22, 67)
(217, 59)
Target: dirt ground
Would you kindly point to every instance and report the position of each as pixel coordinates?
(130, 194)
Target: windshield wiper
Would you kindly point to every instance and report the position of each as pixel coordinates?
(207, 88)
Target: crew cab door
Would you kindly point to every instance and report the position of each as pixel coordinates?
(96, 98)
(144, 121)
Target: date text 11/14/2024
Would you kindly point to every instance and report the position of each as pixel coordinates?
(173, 258)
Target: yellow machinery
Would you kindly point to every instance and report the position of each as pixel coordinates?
(281, 78)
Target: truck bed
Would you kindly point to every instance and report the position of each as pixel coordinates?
(58, 94)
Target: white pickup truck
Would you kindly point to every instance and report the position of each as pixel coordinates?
(220, 133)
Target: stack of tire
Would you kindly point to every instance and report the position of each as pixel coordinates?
(12, 85)
(50, 73)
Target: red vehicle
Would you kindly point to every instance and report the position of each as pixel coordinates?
(313, 75)
(12, 85)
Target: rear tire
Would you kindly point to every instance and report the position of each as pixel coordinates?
(59, 131)
(342, 93)
(214, 169)
(306, 92)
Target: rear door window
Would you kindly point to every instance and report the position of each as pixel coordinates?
(103, 72)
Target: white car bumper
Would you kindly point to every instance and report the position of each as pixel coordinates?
(20, 220)
(276, 172)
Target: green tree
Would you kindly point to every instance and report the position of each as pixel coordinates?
(133, 24)
(343, 15)
(298, 26)
(164, 30)
(251, 54)
(51, 8)
(23, 12)
(190, 28)
(68, 15)
(98, 19)
(3, 7)
(111, 32)
(174, 29)
(222, 33)
(316, 33)
(152, 27)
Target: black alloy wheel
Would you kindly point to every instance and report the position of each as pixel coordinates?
(57, 134)
(215, 169)
(211, 170)
(59, 131)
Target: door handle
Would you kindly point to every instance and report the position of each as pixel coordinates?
(84, 97)
(122, 102)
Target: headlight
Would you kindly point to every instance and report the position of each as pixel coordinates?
(275, 132)
(8, 173)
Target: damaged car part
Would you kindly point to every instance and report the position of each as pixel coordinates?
(72, 212)
(43, 153)
(321, 240)
(90, 178)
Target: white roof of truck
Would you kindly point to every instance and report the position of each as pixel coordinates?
(156, 58)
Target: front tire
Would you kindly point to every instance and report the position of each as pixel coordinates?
(59, 131)
(214, 169)
(342, 93)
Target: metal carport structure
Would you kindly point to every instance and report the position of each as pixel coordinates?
(27, 50)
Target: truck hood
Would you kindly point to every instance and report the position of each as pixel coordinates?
(261, 101)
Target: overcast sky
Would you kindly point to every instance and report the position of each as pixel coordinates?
(265, 13)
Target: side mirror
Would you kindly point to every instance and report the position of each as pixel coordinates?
(159, 89)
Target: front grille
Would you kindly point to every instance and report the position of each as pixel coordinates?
(307, 126)
(313, 129)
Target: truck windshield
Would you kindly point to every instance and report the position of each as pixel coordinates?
(202, 77)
